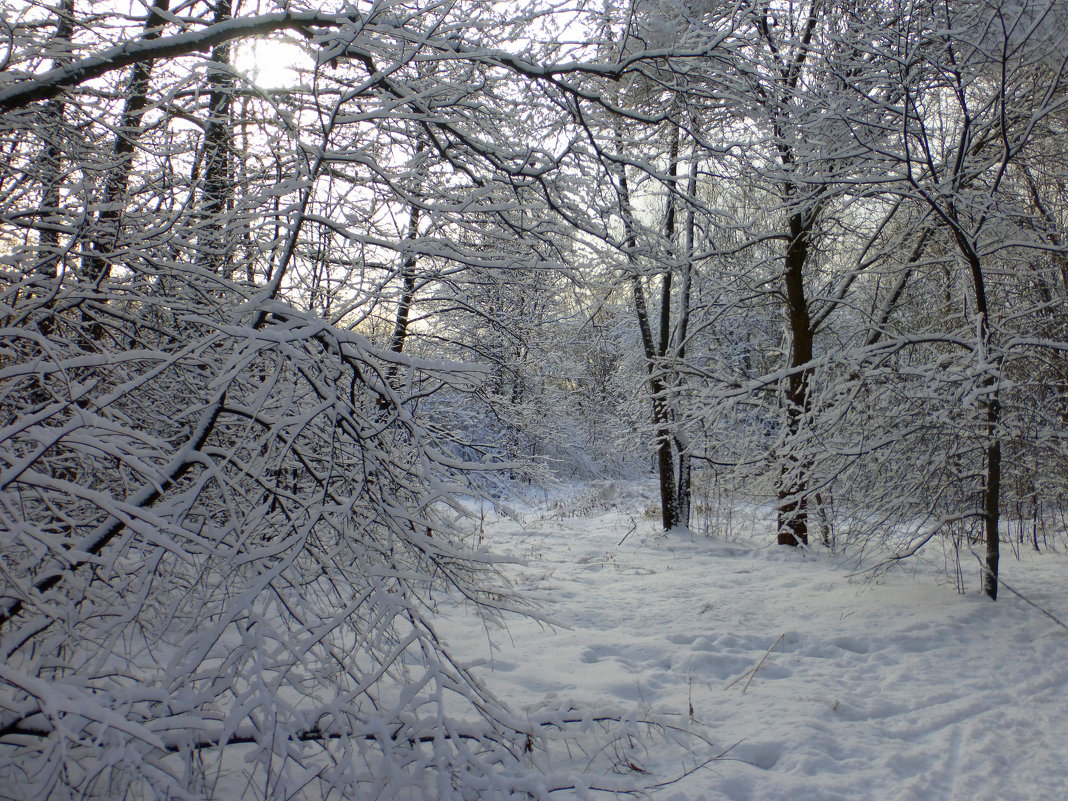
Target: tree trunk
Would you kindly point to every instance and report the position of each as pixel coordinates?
(96, 266)
(665, 460)
(667, 442)
(991, 409)
(216, 234)
(992, 501)
(682, 332)
(793, 484)
(408, 265)
(52, 156)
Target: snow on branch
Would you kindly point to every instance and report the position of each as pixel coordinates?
(51, 83)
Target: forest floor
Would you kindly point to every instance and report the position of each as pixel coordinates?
(815, 682)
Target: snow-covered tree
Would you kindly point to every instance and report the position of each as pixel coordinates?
(230, 503)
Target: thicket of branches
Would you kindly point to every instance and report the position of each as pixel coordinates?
(256, 343)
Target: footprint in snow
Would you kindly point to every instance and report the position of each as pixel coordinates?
(854, 645)
(681, 639)
(599, 653)
(761, 755)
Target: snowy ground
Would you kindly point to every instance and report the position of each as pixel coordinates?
(900, 690)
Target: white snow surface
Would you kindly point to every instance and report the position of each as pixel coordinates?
(893, 689)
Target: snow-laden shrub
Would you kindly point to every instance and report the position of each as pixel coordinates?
(223, 538)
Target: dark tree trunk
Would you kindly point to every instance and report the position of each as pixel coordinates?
(991, 408)
(793, 485)
(408, 265)
(661, 413)
(667, 444)
(682, 333)
(665, 462)
(97, 264)
(793, 477)
(52, 156)
(408, 281)
(216, 234)
(991, 502)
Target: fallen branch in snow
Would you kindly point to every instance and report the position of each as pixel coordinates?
(1027, 600)
(753, 671)
(304, 736)
(527, 738)
(1021, 596)
(699, 766)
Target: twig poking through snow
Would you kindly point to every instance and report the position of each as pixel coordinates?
(633, 527)
(753, 671)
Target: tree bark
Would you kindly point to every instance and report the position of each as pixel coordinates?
(216, 235)
(408, 265)
(793, 485)
(96, 266)
(991, 409)
(682, 332)
(665, 462)
(52, 156)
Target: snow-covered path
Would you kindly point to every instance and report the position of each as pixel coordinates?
(901, 690)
